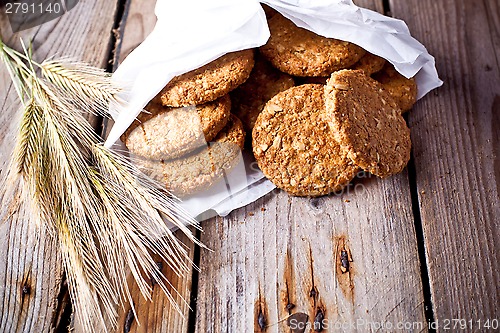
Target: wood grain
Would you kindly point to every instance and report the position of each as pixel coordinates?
(139, 22)
(336, 261)
(375, 5)
(455, 133)
(157, 315)
(32, 297)
(287, 259)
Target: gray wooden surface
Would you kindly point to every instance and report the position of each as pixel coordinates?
(419, 246)
(455, 134)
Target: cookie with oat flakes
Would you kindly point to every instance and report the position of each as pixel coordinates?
(370, 64)
(367, 123)
(403, 90)
(167, 133)
(209, 82)
(202, 168)
(294, 147)
(300, 52)
(264, 83)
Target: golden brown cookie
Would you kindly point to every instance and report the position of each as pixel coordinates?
(403, 90)
(209, 82)
(249, 99)
(294, 146)
(367, 123)
(233, 132)
(167, 133)
(300, 52)
(202, 168)
(369, 64)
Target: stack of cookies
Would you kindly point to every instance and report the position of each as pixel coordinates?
(169, 141)
(313, 139)
(315, 110)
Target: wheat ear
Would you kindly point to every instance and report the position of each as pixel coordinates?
(108, 218)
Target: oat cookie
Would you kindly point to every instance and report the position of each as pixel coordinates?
(209, 82)
(249, 99)
(166, 133)
(300, 52)
(367, 123)
(233, 132)
(370, 64)
(294, 146)
(202, 168)
(403, 90)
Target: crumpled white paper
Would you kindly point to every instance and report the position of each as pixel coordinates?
(192, 33)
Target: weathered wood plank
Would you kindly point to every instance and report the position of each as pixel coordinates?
(375, 5)
(31, 273)
(346, 261)
(136, 26)
(281, 255)
(455, 134)
(157, 315)
(266, 260)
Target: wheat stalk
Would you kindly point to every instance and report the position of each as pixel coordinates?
(107, 216)
(84, 83)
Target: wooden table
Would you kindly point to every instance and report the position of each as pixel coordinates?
(419, 247)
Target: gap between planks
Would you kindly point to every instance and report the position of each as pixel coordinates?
(457, 161)
(159, 315)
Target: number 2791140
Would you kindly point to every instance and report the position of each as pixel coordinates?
(463, 324)
(25, 8)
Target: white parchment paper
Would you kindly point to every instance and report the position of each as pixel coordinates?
(192, 33)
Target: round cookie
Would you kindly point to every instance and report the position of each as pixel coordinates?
(209, 82)
(167, 133)
(403, 90)
(367, 123)
(369, 64)
(233, 133)
(249, 99)
(294, 147)
(300, 52)
(202, 168)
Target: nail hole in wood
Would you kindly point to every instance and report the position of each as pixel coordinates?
(128, 321)
(261, 320)
(318, 321)
(26, 290)
(344, 261)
